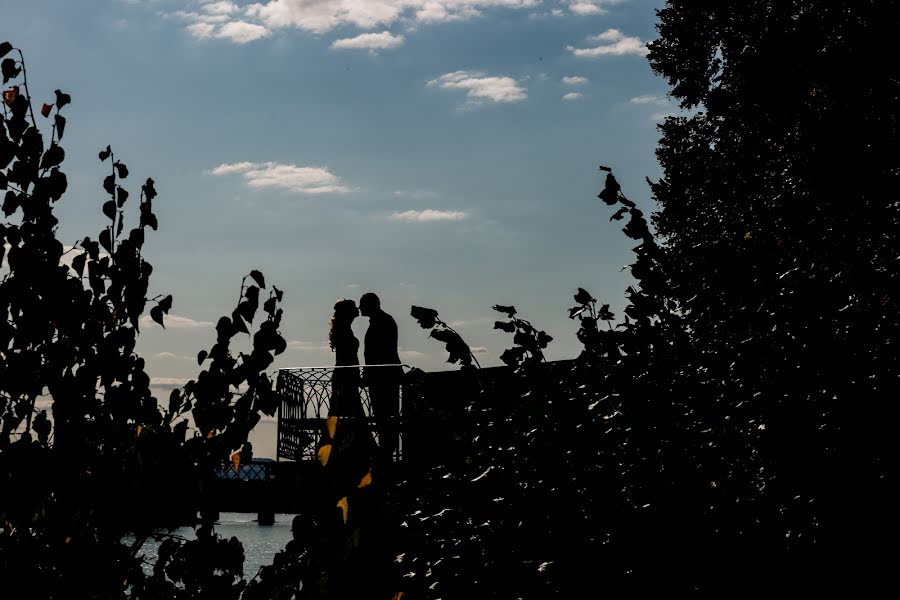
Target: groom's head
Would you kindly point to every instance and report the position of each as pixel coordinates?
(369, 304)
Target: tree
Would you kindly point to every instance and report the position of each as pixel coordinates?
(110, 462)
(779, 212)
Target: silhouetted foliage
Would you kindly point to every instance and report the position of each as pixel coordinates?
(80, 493)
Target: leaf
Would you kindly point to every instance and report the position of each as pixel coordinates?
(45, 110)
(62, 99)
(106, 240)
(575, 311)
(5, 48)
(78, 263)
(109, 184)
(121, 195)
(366, 480)
(121, 169)
(201, 356)
(584, 297)
(156, 314)
(9, 69)
(345, 507)
(104, 154)
(236, 460)
(109, 209)
(258, 278)
(509, 310)
(507, 326)
(60, 125)
(610, 193)
(426, 317)
(166, 304)
(617, 216)
(238, 322)
(53, 156)
(331, 425)
(603, 314)
(324, 454)
(149, 190)
(278, 293)
(10, 95)
(604, 168)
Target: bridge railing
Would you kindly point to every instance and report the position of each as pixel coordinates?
(306, 394)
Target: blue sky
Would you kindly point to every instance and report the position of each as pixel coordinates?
(438, 152)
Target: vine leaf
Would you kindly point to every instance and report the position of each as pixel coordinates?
(5, 48)
(45, 110)
(104, 154)
(9, 69)
(509, 310)
(427, 317)
(60, 125)
(62, 99)
(258, 278)
(121, 169)
(584, 297)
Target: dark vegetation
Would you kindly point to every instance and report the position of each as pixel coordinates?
(730, 432)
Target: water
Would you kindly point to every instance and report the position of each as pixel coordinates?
(260, 543)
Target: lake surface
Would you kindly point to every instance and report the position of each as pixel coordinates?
(260, 543)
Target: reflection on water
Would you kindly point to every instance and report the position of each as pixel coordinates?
(260, 543)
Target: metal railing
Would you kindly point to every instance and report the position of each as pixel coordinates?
(305, 401)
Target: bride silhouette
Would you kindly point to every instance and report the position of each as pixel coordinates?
(353, 445)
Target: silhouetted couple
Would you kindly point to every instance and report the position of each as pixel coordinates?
(382, 375)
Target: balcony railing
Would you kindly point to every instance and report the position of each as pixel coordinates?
(306, 394)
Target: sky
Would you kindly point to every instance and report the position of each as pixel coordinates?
(440, 153)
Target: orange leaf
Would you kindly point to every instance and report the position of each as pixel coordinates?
(331, 424)
(10, 95)
(366, 480)
(324, 454)
(211, 434)
(344, 506)
(137, 432)
(236, 460)
(45, 109)
(398, 596)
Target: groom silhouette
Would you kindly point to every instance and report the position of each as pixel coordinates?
(383, 381)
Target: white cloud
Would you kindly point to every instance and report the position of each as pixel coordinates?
(421, 216)
(478, 350)
(304, 180)
(586, 8)
(320, 16)
(242, 32)
(649, 99)
(219, 8)
(172, 355)
(480, 87)
(614, 43)
(175, 322)
(168, 383)
(369, 41)
(572, 96)
(574, 80)
(411, 355)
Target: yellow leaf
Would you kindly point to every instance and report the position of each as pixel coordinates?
(211, 434)
(68, 539)
(324, 454)
(236, 460)
(366, 480)
(398, 596)
(344, 506)
(138, 432)
(748, 236)
(331, 423)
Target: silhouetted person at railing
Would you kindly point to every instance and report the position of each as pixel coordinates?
(383, 382)
(345, 398)
(352, 447)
